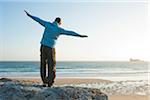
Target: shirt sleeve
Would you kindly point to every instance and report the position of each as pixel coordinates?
(67, 32)
(42, 22)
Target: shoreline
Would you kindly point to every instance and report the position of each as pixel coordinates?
(95, 78)
(60, 80)
(82, 82)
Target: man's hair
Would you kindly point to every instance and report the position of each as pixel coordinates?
(57, 19)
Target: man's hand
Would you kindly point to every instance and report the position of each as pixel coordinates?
(26, 12)
(83, 36)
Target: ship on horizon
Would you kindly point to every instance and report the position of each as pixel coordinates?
(136, 60)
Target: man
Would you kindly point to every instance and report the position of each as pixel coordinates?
(51, 33)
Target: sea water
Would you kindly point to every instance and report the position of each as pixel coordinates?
(81, 69)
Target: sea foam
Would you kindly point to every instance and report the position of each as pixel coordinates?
(139, 87)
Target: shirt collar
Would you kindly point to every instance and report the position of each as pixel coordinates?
(55, 23)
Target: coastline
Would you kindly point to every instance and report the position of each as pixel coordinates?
(109, 78)
(88, 82)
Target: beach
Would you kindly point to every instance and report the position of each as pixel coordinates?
(117, 80)
(86, 82)
(96, 49)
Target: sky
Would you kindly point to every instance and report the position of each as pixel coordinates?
(117, 30)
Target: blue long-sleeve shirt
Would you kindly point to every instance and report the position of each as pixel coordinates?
(52, 32)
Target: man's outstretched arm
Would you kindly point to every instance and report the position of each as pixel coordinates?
(42, 22)
(72, 33)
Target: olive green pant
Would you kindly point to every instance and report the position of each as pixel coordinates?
(48, 59)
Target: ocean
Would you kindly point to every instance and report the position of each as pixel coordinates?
(83, 69)
(127, 78)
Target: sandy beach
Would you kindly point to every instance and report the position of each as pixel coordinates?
(128, 97)
(63, 80)
(78, 81)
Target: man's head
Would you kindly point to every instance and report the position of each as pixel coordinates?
(58, 20)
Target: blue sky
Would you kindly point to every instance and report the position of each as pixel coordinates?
(116, 30)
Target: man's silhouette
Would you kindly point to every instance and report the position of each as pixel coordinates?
(51, 33)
